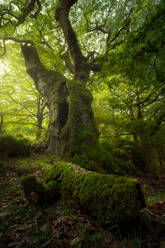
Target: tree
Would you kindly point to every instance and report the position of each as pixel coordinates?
(135, 78)
(72, 128)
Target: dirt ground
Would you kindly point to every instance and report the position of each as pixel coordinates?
(60, 225)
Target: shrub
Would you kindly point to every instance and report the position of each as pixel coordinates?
(12, 147)
(102, 159)
(96, 159)
(131, 152)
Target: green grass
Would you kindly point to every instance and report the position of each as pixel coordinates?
(64, 208)
(159, 196)
(151, 198)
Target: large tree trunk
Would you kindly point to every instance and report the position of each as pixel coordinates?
(72, 127)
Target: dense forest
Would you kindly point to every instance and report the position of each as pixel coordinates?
(82, 123)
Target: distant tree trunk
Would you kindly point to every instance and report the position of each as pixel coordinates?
(41, 105)
(72, 128)
(1, 123)
(39, 130)
(132, 119)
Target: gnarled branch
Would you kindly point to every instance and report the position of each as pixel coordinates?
(81, 67)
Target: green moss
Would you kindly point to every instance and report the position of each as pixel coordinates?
(53, 172)
(83, 133)
(81, 125)
(108, 198)
(84, 162)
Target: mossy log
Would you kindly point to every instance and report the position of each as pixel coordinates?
(110, 199)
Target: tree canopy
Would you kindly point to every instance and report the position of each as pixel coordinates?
(113, 48)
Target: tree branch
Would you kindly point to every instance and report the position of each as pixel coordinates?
(120, 30)
(22, 105)
(81, 69)
(18, 40)
(68, 62)
(38, 10)
(21, 123)
(28, 10)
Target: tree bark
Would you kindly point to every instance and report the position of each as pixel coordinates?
(81, 67)
(72, 129)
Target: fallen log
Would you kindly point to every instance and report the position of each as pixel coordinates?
(110, 199)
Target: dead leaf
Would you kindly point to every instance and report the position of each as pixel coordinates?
(44, 227)
(4, 214)
(34, 197)
(107, 237)
(38, 215)
(75, 241)
(30, 226)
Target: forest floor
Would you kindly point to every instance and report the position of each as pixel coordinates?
(61, 226)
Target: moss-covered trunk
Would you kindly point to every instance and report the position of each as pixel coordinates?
(72, 127)
(109, 199)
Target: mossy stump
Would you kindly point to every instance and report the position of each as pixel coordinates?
(110, 199)
(39, 193)
(34, 191)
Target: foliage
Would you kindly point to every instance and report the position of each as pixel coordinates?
(22, 107)
(130, 151)
(125, 38)
(96, 159)
(12, 147)
(132, 104)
